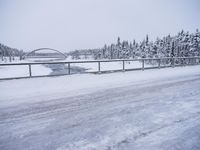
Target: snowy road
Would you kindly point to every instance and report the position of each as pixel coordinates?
(156, 114)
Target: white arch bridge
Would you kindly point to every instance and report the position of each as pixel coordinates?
(45, 53)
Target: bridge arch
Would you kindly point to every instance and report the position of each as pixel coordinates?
(32, 54)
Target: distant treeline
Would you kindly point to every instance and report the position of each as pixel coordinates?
(8, 52)
(184, 44)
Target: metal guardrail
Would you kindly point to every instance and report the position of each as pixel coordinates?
(172, 62)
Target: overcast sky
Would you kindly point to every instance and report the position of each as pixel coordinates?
(78, 24)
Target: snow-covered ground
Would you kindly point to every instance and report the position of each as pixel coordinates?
(37, 70)
(108, 66)
(22, 70)
(141, 110)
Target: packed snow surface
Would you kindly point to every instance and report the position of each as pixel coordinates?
(139, 110)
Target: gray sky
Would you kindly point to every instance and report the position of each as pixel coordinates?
(78, 24)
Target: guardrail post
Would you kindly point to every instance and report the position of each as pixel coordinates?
(69, 68)
(173, 62)
(123, 63)
(195, 61)
(30, 72)
(184, 62)
(143, 64)
(180, 62)
(99, 67)
(159, 61)
(187, 62)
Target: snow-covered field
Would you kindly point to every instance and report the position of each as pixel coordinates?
(22, 70)
(140, 110)
(107, 66)
(38, 70)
